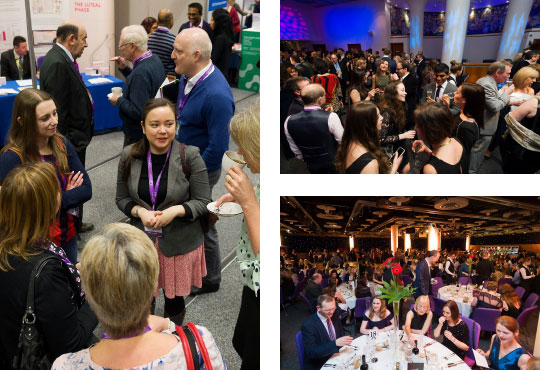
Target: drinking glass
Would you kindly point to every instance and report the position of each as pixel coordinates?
(429, 93)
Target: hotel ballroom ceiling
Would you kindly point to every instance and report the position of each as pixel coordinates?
(431, 5)
(373, 216)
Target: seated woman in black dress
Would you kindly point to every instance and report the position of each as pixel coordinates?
(511, 303)
(418, 319)
(434, 125)
(360, 150)
(471, 100)
(378, 317)
(489, 299)
(455, 332)
(362, 289)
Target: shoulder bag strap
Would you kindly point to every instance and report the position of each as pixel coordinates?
(188, 354)
(33, 277)
(192, 346)
(18, 152)
(185, 166)
(202, 346)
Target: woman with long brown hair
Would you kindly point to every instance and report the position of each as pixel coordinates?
(33, 137)
(454, 330)
(358, 91)
(360, 150)
(378, 317)
(393, 111)
(505, 352)
(29, 201)
(510, 301)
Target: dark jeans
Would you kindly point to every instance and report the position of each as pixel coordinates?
(71, 249)
(246, 339)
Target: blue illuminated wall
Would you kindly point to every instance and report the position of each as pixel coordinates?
(293, 25)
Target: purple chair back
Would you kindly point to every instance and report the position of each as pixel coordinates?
(520, 291)
(362, 304)
(439, 303)
(324, 282)
(524, 316)
(297, 289)
(300, 349)
(504, 281)
(474, 338)
(435, 287)
(464, 280)
(40, 62)
(486, 318)
(406, 279)
(530, 301)
(311, 308)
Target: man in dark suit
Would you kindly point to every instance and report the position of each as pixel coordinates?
(304, 68)
(59, 76)
(341, 72)
(16, 62)
(529, 58)
(422, 283)
(313, 288)
(195, 19)
(440, 87)
(484, 268)
(322, 334)
(411, 84)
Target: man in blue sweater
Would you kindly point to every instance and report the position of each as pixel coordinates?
(143, 81)
(205, 107)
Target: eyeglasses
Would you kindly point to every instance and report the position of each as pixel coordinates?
(123, 45)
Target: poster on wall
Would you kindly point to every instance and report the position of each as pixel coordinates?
(12, 22)
(48, 14)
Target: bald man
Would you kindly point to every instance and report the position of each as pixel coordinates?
(205, 106)
(59, 76)
(314, 134)
(161, 40)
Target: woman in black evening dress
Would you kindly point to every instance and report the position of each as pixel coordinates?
(360, 150)
(453, 329)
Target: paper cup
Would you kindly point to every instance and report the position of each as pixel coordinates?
(231, 158)
(116, 90)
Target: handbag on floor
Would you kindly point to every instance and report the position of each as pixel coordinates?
(189, 335)
(31, 354)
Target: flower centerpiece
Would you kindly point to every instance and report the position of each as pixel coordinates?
(394, 292)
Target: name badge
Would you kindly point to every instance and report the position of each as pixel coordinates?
(157, 233)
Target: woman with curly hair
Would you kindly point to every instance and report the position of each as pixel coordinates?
(393, 111)
(360, 149)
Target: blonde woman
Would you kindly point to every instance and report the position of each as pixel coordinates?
(120, 269)
(378, 317)
(522, 82)
(245, 131)
(29, 201)
(418, 319)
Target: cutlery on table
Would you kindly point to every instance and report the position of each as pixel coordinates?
(450, 356)
(455, 363)
(329, 365)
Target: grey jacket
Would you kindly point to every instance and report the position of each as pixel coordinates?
(181, 235)
(496, 100)
(450, 88)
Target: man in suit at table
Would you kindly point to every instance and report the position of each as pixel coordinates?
(195, 19)
(322, 334)
(16, 62)
(422, 283)
(441, 87)
(313, 288)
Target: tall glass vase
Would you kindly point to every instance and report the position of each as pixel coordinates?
(396, 331)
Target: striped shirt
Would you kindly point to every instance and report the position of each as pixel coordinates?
(161, 43)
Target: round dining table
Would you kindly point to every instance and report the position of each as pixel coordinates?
(379, 351)
(348, 293)
(463, 296)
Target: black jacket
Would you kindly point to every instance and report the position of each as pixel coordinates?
(205, 26)
(9, 66)
(317, 345)
(59, 78)
(65, 327)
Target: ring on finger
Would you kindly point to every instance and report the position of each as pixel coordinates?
(228, 178)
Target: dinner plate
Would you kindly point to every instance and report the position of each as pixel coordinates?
(226, 209)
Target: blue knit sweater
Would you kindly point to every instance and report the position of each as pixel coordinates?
(204, 121)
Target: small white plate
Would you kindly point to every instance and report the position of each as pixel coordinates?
(109, 95)
(226, 209)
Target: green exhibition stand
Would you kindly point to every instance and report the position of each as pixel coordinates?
(249, 74)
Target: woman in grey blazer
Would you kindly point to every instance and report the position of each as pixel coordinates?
(153, 190)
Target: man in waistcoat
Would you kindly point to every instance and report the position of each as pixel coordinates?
(314, 134)
(449, 274)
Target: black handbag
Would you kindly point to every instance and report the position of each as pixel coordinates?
(31, 354)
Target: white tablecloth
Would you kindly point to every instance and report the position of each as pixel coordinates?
(385, 357)
(449, 293)
(348, 294)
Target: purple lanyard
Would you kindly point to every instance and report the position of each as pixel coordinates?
(62, 177)
(154, 190)
(146, 330)
(183, 98)
(142, 57)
